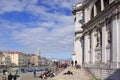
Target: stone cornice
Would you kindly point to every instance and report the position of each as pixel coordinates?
(80, 31)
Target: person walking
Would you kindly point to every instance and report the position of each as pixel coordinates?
(16, 75)
(75, 63)
(34, 72)
(10, 76)
(4, 76)
(72, 63)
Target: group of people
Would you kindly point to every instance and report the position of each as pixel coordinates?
(45, 74)
(10, 76)
(48, 73)
(75, 64)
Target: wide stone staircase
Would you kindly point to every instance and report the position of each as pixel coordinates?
(78, 74)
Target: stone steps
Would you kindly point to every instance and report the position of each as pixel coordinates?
(78, 74)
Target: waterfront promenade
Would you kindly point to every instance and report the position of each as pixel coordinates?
(78, 74)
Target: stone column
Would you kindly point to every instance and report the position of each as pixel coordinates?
(104, 41)
(102, 5)
(119, 37)
(115, 43)
(85, 53)
(93, 47)
(78, 49)
(95, 11)
(74, 53)
(87, 15)
(86, 49)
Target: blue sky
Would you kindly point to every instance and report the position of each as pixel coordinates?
(26, 25)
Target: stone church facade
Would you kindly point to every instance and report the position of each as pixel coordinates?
(97, 37)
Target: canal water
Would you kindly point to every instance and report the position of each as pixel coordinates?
(23, 69)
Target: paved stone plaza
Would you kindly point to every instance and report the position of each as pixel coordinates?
(78, 74)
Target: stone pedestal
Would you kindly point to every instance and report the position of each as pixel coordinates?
(98, 55)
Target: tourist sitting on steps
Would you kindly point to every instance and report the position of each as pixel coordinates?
(68, 73)
(47, 73)
(78, 66)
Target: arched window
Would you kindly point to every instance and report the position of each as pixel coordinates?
(98, 6)
(106, 3)
(92, 12)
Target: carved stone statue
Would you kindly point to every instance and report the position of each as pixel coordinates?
(98, 39)
(109, 35)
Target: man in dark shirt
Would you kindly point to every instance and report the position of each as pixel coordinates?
(10, 76)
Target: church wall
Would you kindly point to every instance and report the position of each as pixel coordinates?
(104, 43)
(115, 41)
(78, 21)
(78, 49)
(101, 33)
(87, 11)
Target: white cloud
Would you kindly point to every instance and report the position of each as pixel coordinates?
(46, 24)
(47, 41)
(59, 39)
(8, 26)
(8, 6)
(20, 5)
(59, 3)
